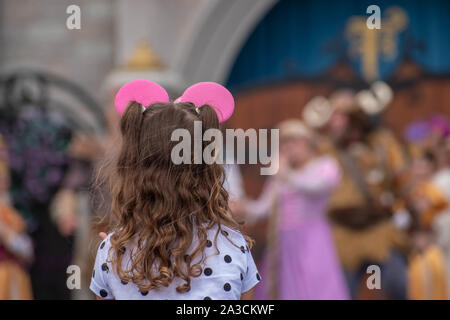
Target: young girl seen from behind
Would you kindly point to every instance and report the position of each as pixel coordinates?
(172, 235)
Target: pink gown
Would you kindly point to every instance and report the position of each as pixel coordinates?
(308, 265)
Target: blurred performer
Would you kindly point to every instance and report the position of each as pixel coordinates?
(440, 127)
(300, 261)
(16, 250)
(76, 205)
(37, 144)
(441, 180)
(71, 208)
(426, 198)
(427, 272)
(361, 206)
(389, 150)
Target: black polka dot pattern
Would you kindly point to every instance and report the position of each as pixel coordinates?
(208, 272)
(105, 267)
(227, 260)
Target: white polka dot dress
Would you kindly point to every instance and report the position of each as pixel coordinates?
(226, 275)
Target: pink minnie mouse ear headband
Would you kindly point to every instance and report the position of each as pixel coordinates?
(212, 94)
(142, 91)
(147, 92)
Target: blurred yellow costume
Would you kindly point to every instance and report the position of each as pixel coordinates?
(427, 275)
(14, 280)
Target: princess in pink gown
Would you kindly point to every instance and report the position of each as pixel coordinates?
(300, 260)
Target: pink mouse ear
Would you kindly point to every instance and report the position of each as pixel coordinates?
(144, 92)
(213, 94)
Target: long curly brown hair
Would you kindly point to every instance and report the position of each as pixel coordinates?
(158, 206)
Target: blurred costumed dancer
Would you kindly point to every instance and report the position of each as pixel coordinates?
(71, 209)
(16, 250)
(80, 201)
(37, 144)
(441, 179)
(426, 200)
(300, 260)
(361, 208)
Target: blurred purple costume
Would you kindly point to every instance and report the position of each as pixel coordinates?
(308, 267)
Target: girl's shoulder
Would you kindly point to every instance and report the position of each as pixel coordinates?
(231, 267)
(226, 244)
(230, 232)
(228, 235)
(104, 248)
(107, 241)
